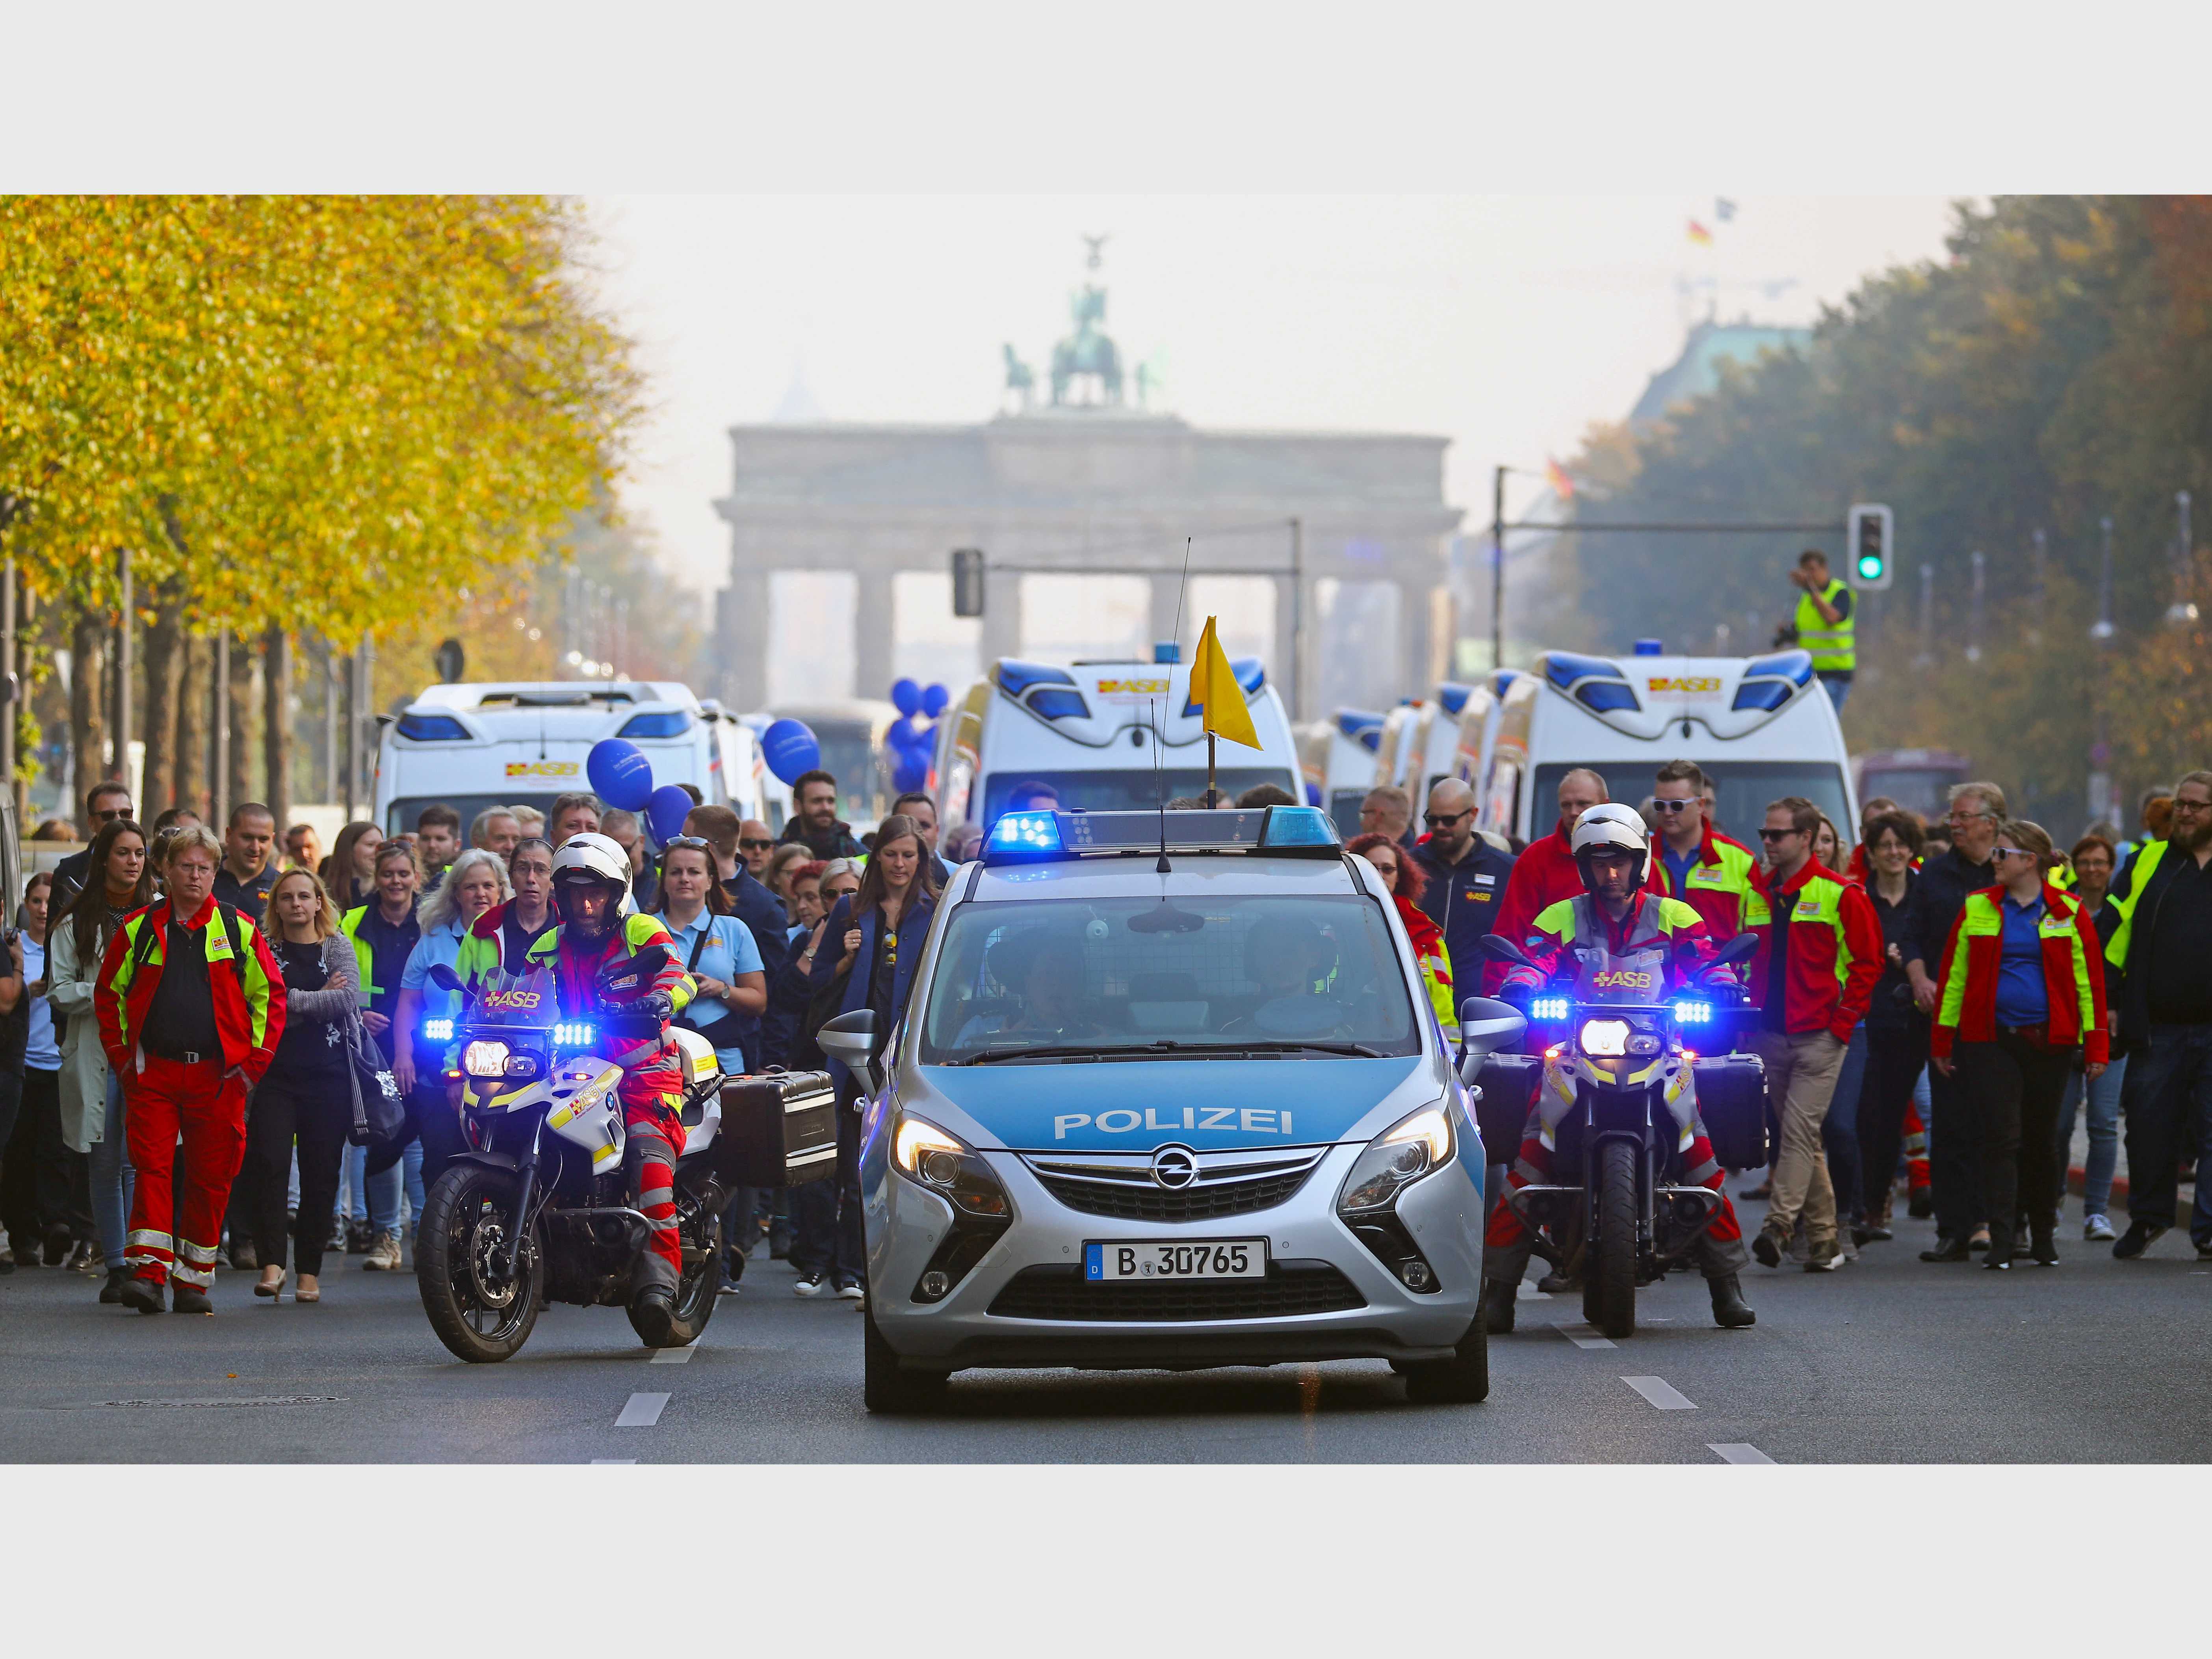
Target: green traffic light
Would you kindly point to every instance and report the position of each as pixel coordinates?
(1869, 567)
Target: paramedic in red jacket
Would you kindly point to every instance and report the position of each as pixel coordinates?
(2021, 998)
(1547, 872)
(190, 1004)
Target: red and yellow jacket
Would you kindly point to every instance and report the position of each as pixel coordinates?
(1836, 949)
(1544, 874)
(243, 978)
(651, 1070)
(2073, 974)
(1719, 885)
(1428, 943)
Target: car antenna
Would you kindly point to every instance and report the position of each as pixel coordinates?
(1160, 777)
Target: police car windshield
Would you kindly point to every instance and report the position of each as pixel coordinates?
(1268, 972)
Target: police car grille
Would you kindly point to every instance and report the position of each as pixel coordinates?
(1290, 1287)
(1127, 1201)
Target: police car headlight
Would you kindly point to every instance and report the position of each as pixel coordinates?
(949, 1168)
(484, 1059)
(1605, 1037)
(1411, 1148)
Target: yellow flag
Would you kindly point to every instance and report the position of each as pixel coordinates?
(1220, 700)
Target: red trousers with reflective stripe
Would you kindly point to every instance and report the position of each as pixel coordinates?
(656, 1137)
(1534, 1166)
(171, 1230)
(1916, 1147)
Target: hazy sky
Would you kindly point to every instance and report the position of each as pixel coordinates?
(1508, 324)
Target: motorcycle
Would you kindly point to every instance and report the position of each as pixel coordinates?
(1620, 1083)
(537, 1209)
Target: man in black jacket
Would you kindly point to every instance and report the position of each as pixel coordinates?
(1954, 1170)
(1466, 876)
(2158, 918)
(826, 834)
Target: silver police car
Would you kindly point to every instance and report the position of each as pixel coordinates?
(1168, 1094)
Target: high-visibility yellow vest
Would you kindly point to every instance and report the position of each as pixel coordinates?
(2116, 948)
(1835, 649)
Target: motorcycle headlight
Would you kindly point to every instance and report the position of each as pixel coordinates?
(948, 1167)
(1411, 1148)
(1605, 1037)
(483, 1058)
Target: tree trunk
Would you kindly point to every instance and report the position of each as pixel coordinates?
(277, 725)
(88, 729)
(241, 722)
(191, 724)
(165, 783)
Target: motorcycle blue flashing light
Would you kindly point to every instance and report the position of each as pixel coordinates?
(432, 728)
(1693, 1014)
(1550, 1008)
(1025, 835)
(1297, 826)
(437, 1030)
(575, 1034)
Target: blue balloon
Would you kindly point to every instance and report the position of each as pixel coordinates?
(1313, 794)
(790, 748)
(620, 774)
(905, 697)
(900, 733)
(935, 700)
(912, 771)
(666, 811)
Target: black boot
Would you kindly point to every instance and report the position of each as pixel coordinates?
(112, 1291)
(189, 1299)
(1730, 1311)
(1949, 1250)
(652, 1312)
(1920, 1204)
(1498, 1306)
(2043, 1250)
(143, 1294)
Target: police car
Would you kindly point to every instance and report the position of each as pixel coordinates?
(1167, 1093)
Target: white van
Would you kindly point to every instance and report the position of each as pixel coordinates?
(1339, 755)
(1760, 727)
(1084, 732)
(521, 743)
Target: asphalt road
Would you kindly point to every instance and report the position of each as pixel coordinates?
(1886, 1361)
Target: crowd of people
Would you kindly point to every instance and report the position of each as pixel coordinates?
(1938, 1006)
(180, 1010)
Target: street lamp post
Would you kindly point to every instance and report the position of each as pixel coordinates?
(1974, 610)
(2182, 613)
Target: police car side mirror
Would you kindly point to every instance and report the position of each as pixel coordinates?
(851, 1038)
(1486, 1025)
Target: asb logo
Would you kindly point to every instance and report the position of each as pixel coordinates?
(1684, 685)
(541, 768)
(519, 1000)
(1623, 979)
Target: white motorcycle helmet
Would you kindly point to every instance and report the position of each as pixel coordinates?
(1613, 826)
(594, 857)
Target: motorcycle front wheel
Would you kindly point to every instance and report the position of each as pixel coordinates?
(480, 1313)
(1609, 1264)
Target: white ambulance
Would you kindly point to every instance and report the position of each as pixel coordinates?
(1760, 727)
(1084, 737)
(521, 743)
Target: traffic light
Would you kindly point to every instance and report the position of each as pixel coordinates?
(1872, 545)
(967, 581)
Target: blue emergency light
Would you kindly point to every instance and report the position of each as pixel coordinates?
(1550, 1008)
(575, 1034)
(437, 1030)
(1025, 835)
(1693, 1014)
(1020, 837)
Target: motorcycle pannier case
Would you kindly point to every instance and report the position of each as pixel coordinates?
(778, 1129)
(1509, 1083)
(1732, 1100)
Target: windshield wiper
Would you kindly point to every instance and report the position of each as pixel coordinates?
(1295, 1046)
(1169, 1049)
(1049, 1051)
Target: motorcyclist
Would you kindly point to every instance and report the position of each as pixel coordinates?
(1613, 916)
(591, 886)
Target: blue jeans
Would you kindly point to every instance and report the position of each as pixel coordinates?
(2167, 1104)
(2103, 1098)
(1839, 1131)
(384, 1186)
(1837, 690)
(112, 1179)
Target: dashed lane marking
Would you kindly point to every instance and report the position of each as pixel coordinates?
(1663, 1394)
(643, 1411)
(672, 1355)
(1583, 1336)
(1738, 1453)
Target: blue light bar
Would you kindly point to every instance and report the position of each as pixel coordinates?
(1452, 697)
(1550, 1008)
(1025, 835)
(1693, 1014)
(437, 1030)
(1297, 826)
(575, 1034)
(432, 728)
(656, 723)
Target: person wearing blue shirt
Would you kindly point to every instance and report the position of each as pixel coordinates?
(476, 882)
(2022, 998)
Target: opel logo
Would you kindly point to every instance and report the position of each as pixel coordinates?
(1174, 1167)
